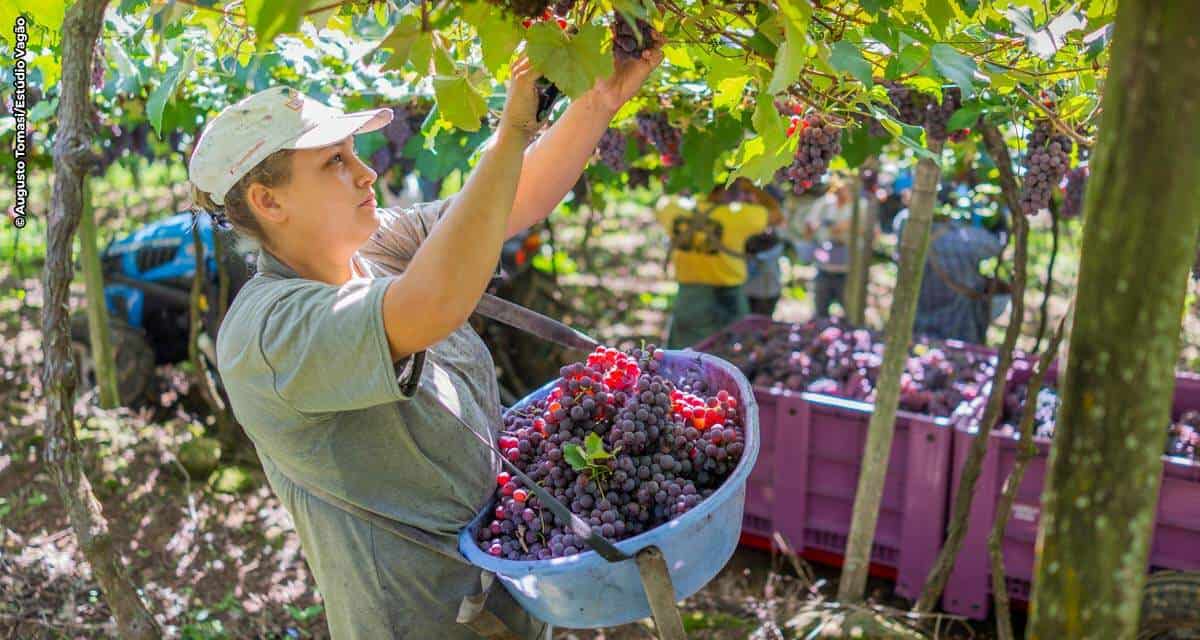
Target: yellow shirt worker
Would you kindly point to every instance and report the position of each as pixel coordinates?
(707, 240)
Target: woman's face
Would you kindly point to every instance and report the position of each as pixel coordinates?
(328, 205)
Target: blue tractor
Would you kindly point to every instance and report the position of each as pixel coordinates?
(148, 278)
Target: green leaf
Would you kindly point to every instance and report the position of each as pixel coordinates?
(273, 17)
(789, 61)
(1044, 42)
(573, 454)
(939, 14)
(45, 13)
(574, 64)
(166, 89)
(912, 58)
(796, 13)
(858, 145)
(443, 64)
(956, 67)
(761, 156)
(965, 117)
(498, 34)
(460, 104)
(846, 57)
(400, 42)
(595, 447)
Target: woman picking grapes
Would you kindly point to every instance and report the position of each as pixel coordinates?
(348, 358)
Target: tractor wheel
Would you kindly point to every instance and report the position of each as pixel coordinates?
(132, 356)
(1171, 607)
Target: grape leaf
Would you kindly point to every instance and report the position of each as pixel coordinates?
(158, 100)
(595, 448)
(964, 118)
(761, 156)
(956, 67)
(846, 57)
(797, 13)
(858, 144)
(789, 61)
(573, 63)
(1044, 42)
(273, 17)
(498, 35)
(45, 13)
(939, 14)
(400, 41)
(573, 454)
(460, 104)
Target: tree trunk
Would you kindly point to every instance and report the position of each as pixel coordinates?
(1139, 241)
(1044, 315)
(914, 244)
(97, 311)
(72, 160)
(935, 583)
(854, 305)
(1008, 494)
(865, 256)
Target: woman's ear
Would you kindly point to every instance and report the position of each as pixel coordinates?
(264, 203)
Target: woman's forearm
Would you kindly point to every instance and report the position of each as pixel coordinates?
(441, 286)
(554, 163)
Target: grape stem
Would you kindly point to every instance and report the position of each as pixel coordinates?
(1055, 120)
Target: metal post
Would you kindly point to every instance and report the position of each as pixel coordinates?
(660, 592)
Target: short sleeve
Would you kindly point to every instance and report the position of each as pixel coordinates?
(327, 348)
(401, 231)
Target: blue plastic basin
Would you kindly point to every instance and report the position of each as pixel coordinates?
(585, 591)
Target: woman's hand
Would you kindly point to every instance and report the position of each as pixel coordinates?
(613, 92)
(520, 107)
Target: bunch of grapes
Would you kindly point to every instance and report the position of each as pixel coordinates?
(910, 105)
(626, 448)
(1073, 192)
(826, 356)
(563, 7)
(611, 148)
(820, 141)
(937, 116)
(1183, 435)
(1046, 161)
(655, 128)
(630, 40)
(639, 177)
(524, 8)
(404, 125)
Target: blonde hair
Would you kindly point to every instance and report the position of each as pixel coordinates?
(275, 170)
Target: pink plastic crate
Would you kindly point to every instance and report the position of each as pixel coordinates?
(806, 477)
(1175, 545)
(816, 485)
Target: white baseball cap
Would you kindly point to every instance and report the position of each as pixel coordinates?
(244, 134)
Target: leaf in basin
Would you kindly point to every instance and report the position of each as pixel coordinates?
(595, 448)
(573, 454)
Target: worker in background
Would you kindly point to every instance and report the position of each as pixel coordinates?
(764, 282)
(956, 300)
(708, 237)
(828, 225)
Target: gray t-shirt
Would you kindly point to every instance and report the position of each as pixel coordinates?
(311, 379)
